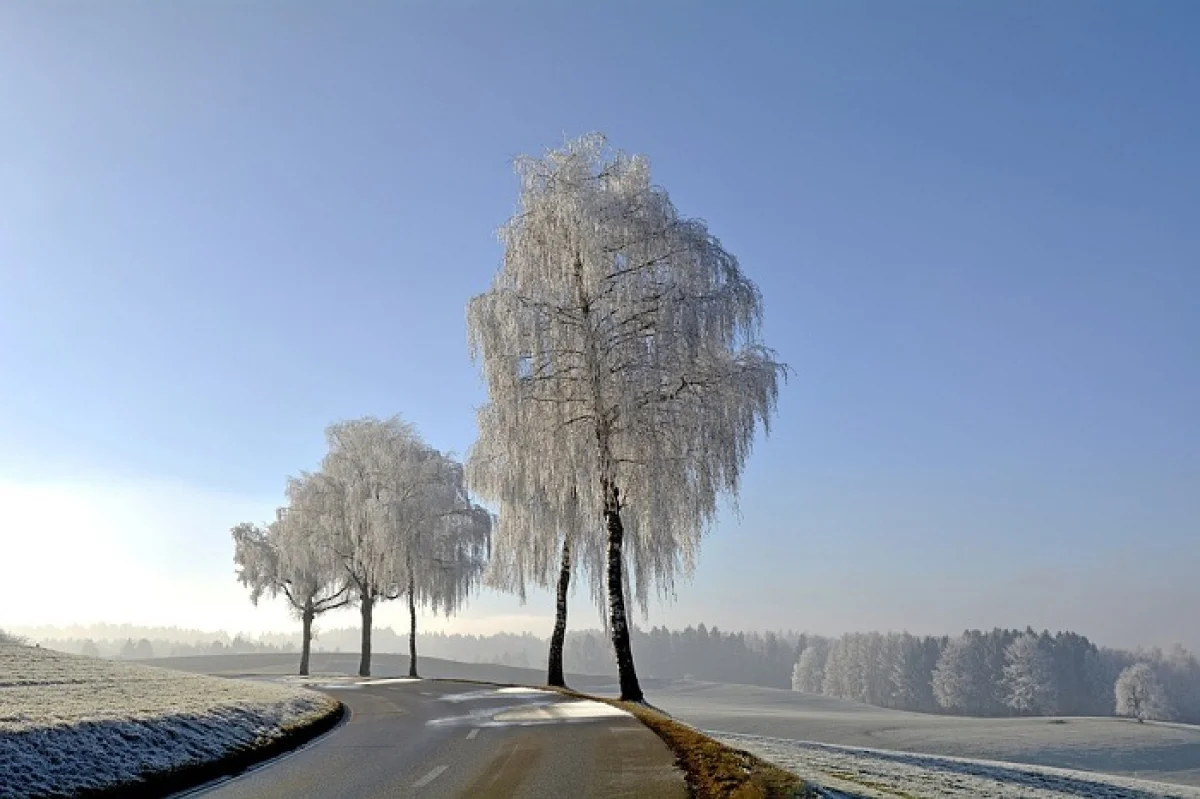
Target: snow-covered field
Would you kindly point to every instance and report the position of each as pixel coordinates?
(1160, 752)
(846, 771)
(71, 723)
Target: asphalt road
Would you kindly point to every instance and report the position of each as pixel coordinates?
(442, 738)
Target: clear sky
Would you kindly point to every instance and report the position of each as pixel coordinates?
(976, 227)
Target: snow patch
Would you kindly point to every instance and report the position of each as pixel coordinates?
(561, 711)
(389, 680)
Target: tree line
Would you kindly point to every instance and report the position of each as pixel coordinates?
(147, 648)
(620, 345)
(997, 673)
(1001, 673)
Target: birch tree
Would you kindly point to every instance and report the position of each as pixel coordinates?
(289, 557)
(620, 345)
(446, 548)
(373, 482)
(536, 543)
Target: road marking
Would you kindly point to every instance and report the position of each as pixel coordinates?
(472, 733)
(430, 777)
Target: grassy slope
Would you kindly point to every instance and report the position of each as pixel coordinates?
(71, 724)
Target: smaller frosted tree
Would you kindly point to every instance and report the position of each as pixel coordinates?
(1140, 695)
(1029, 678)
(809, 673)
(960, 681)
(446, 545)
(290, 558)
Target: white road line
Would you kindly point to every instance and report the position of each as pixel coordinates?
(430, 777)
(472, 733)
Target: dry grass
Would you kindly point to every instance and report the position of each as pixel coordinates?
(712, 769)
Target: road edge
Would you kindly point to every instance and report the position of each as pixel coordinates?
(197, 775)
(712, 770)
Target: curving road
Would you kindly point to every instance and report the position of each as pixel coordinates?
(445, 738)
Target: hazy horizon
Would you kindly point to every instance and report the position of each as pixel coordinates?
(224, 227)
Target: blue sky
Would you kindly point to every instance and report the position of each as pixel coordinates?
(976, 227)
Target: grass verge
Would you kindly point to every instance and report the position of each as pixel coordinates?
(166, 783)
(712, 769)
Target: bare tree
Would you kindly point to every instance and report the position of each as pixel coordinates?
(621, 349)
(290, 557)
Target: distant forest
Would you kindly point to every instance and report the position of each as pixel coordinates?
(996, 673)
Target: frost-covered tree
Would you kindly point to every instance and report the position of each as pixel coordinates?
(445, 547)
(912, 661)
(399, 521)
(1140, 695)
(1029, 677)
(620, 347)
(809, 673)
(372, 482)
(1179, 673)
(962, 682)
(530, 532)
(292, 557)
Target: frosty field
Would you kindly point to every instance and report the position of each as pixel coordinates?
(847, 771)
(71, 723)
(1161, 752)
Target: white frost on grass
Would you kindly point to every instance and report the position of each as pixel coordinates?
(1152, 751)
(520, 689)
(70, 723)
(881, 773)
(561, 711)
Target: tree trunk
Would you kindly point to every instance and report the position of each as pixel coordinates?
(364, 663)
(555, 671)
(631, 691)
(412, 628)
(306, 635)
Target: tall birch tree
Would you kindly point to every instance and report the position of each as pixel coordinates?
(620, 344)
